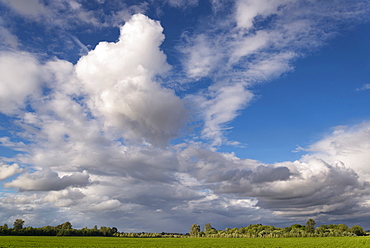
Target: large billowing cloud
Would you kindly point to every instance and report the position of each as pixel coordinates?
(118, 77)
(111, 97)
(307, 187)
(99, 135)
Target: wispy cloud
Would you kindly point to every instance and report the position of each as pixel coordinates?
(7, 38)
(32, 9)
(257, 42)
(364, 87)
(182, 3)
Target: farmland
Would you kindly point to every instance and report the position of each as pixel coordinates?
(29, 241)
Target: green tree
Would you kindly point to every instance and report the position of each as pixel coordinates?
(106, 231)
(18, 224)
(208, 229)
(4, 230)
(310, 226)
(194, 230)
(343, 228)
(321, 230)
(66, 225)
(359, 231)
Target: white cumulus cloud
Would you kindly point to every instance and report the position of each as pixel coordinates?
(120, 80)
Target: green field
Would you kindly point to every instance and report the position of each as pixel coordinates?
(24, 241)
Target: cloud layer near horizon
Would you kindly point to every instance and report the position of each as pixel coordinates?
(98, 135)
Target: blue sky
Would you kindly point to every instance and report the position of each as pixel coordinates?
(302, 106)
(154, 115)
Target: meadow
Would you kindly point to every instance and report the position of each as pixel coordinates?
(33, 241)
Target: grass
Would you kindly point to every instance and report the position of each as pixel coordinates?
(26, 241)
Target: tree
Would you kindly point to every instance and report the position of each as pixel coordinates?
(343, 228)
(106, 231)
(4, 230)
(208, 229)
(359, 231)
(194, 230)
(66, 225)
(18, 224)
(310, 226)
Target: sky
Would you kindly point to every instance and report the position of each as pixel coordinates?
(155, 115)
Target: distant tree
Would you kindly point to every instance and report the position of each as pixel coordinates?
(66, 225)
(233, 230)
(208, 229)
(359, 231)
(321, 230)
(332, 226)
(343, 228)
(310, 226)
(106, 231)
(4, 230)
(194, 230)
(18, 224)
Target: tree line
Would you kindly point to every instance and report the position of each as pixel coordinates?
(251, 231)
(263, 231)
(64, 229)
